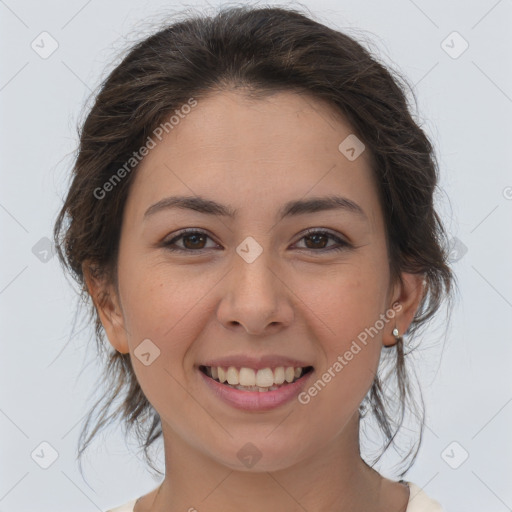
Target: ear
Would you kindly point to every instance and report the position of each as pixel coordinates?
(408, 294)
(107, 304)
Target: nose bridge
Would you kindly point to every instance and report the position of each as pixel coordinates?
(255, 296)
(253, 275)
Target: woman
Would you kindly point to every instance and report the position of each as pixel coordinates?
(251, 213)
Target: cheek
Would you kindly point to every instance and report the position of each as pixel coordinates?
(344, 309)
(163, 309)
(344, 302)
(156, 302)
(350, 348)
(169, 308)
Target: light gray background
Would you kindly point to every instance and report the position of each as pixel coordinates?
(465, 104)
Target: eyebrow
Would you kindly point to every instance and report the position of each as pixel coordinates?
(291, 208)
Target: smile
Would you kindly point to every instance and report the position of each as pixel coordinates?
(255, 390)
(249, 379)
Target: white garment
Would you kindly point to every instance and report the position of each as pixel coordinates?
(419, 501)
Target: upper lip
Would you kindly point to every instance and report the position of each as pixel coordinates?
(257, 363)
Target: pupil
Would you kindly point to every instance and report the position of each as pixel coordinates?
(310, 237)
(194, 244)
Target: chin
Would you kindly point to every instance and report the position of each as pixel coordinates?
(259, 454)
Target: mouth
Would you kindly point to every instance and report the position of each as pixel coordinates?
(261, 380)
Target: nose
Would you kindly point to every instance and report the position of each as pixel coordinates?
(255, 298)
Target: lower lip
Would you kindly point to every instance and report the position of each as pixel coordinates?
(256, 400)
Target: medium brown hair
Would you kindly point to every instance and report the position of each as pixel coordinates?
(262, 50)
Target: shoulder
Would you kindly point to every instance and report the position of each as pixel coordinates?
(419, 501)
(127, 507)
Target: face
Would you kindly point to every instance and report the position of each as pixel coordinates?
(294, 291)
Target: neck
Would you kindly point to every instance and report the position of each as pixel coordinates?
(333, 478)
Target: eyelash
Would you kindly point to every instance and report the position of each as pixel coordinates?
(312, 231)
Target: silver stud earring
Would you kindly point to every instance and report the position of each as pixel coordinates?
(397, 336)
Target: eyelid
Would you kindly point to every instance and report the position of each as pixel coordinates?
(338, 238)
(342, 242)
(181, 233)
(326, 231)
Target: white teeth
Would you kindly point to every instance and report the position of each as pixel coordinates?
(279, 375)
(264, 378)
(232, 376)
(221, 374)
(249, 379)
(289, 374)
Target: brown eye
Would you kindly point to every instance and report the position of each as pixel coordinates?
(196, 241)
(192, 240)
(317, 240)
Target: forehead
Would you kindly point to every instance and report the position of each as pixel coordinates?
(254, 152)
(232, 124)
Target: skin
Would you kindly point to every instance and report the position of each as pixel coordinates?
(295, 299)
